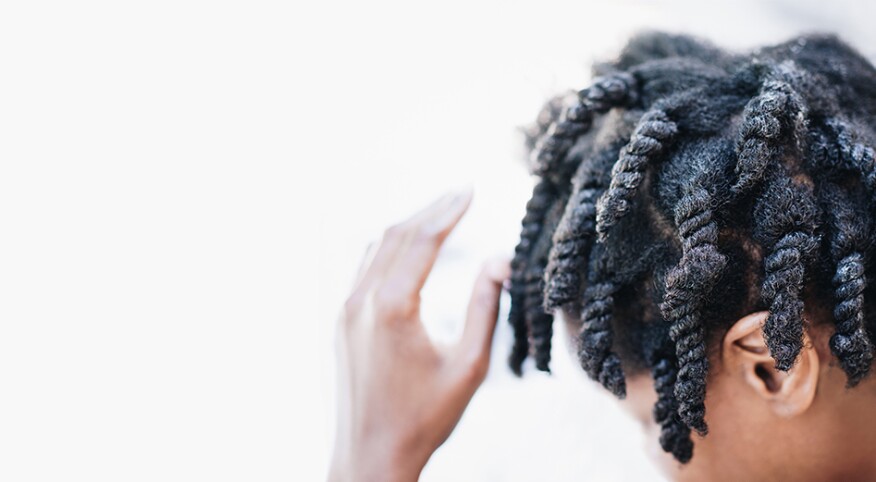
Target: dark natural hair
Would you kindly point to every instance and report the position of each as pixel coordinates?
(686, 188)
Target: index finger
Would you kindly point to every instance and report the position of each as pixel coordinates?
(410, 268)
(395, 241)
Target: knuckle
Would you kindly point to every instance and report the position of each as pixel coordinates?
(425, 236)
(390, 304)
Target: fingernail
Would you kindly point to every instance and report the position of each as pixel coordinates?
(499, 268)
(458, 200)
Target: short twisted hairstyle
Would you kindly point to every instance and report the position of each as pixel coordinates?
(688, 187)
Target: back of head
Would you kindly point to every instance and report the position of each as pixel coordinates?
(688, 187)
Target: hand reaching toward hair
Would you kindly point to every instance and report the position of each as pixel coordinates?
(399, 394)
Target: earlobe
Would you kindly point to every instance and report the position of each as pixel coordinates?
(788, 393)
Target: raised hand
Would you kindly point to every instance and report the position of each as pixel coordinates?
(400, 395)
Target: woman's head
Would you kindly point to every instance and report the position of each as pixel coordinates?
(697, 211)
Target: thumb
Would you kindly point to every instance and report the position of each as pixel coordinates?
(483, 310)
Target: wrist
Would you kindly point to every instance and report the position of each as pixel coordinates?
(378, 462)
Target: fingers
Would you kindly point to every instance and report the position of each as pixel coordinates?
(394, 240)
(410, 268)
(483, 310)
(365, 262)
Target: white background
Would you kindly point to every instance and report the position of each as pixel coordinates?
(186, 188)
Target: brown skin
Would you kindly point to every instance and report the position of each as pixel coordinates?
(400, 396)
(768, 425)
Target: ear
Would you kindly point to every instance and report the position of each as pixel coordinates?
(744, 352)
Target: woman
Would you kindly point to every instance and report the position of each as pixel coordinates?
(700, 220)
